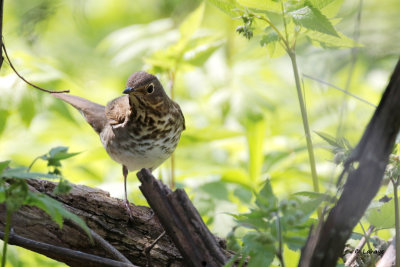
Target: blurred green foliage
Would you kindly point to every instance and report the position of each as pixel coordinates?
(242, 115)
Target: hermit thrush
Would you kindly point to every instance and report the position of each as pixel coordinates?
(140, 129)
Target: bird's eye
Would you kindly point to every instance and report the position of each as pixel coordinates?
(150, 89)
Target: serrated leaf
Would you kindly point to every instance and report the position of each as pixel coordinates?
(311, 18)
(227, 6)
(261, 254)
(56, 150)
(326, 40)
(266, 5)
(269, 38)
(3, 119)
(4, 164)
(327, 7)
(266, 199)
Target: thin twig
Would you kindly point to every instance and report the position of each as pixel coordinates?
(359, 247)
(149, 248)
(22, 78)
(340, 89)
(63, 253)
(109, 248)
(1, 31)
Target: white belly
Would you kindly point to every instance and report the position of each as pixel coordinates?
(135, 157)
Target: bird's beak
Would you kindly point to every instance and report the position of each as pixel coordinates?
(128, 90)
(137, 91)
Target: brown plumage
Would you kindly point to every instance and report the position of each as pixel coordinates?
(140, 129)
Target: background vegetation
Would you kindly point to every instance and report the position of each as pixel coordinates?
(242, 114)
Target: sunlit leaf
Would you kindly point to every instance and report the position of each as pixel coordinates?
(227, 6)
(320, 39)
(267, 5)
(383, 216)
(328, 7)
(311, 18)
(192, 22)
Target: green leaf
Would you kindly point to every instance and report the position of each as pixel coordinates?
(382, 216)
(20, 173)
(15, 195)
(227, 6)
(55, 210)
(329, 139)
(311, 18)
(261, 251)
(3, 119)
(328, 7)
(62, 187)
(271, 42)
(192, 22)
(255, 133)
(266, 5)
(4, 164)
(323, 40)
(266, 199)
(269, 38)
(199, 54)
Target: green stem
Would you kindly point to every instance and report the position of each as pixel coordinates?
(6, 235)
(397, 223)
(306, 126)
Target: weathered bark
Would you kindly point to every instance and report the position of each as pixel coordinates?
(372, 153)
(182, 222)
(106, 216)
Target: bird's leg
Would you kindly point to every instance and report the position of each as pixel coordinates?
(127, 204)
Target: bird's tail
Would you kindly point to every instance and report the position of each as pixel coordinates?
(92, 112)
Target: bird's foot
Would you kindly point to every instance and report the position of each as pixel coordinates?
(129, 209)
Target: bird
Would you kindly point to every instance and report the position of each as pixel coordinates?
(139, 129)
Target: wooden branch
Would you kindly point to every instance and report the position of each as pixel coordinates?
(106, 216)
(182, 223)
(372, 153)
(64, 254)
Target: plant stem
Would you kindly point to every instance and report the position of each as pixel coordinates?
(306, 126)
(6, 236)
(279, 253)
(397, 223)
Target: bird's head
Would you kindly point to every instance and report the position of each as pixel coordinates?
(146, 88)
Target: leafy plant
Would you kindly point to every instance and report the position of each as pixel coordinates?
(273, 224)
(280, 25)
(14, 192)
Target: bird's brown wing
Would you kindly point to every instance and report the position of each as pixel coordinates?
(180, 113)
(118, 110)
(92, 112)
